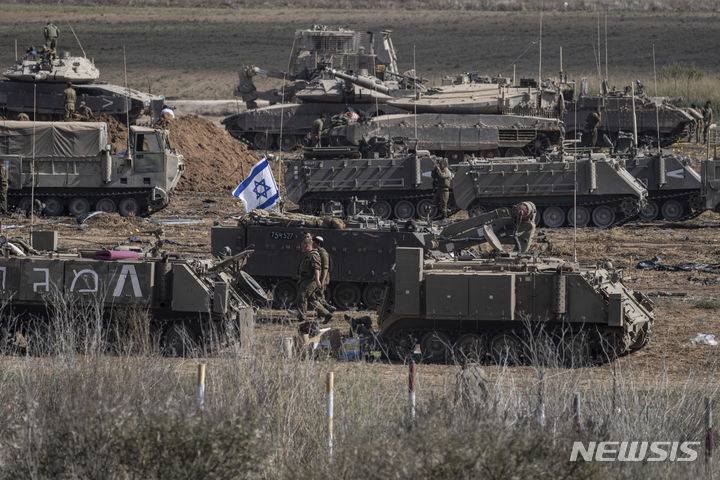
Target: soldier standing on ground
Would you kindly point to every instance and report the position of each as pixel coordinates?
(318, 242)
(707, 114)
(308, 282)
(85, 111)
(316, 131)
(441, 177)
(592, 121)
(51, 33)
(69, 99)
(698, 126)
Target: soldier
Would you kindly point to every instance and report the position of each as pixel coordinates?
(51, 33)
(707, 114)
(69, 99)
(441, 177)
(318, 242)
(23, 117)
(471, 387)
(3, 188)
(698, 126)
(85, 111)
(309, 282)
(316, 131)
(592, 122)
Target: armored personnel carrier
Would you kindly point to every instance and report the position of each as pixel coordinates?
(75, 170)
(454, 136)
(494, 309)
(36, 82)
(616, 108)
(184, 298)
(397, 184)
(605, 193)
(362, 252)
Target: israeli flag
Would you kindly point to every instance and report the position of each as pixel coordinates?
(259, 189)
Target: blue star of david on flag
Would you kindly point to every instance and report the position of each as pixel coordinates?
(259, 189)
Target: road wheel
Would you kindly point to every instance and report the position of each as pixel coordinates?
(382, 209)
(179, 340)
(250, 285)
(426, 209)
(78, 206)
(106, 205)
(454, 156)
(476, 210)
(490, 153)
(404, 210)
(290, 142)
(582, 217)
(650, 211)
(470, 348)
(128, 206)
(263, 141)
(284, 293)
(672, 210)
(373, 295)
(399, 345)
(514, 152)
(346, 295)
(435, 347)
(553, 217)
(505, 349)
(54, 206)
(24, 206)
(603, 216)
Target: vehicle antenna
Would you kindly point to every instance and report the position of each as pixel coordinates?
(657, 112)
(416, 94)
(575, 190)
(127, 105)
(32, 165)
(634, 116)
(539, 82)
(16, 55)
(606, 46)
(282, 99)
(598, 57)
(77, 39)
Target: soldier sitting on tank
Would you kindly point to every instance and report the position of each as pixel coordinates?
(441, 178)
(308, 282)
(591, 122)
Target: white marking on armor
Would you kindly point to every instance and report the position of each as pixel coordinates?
(128, 270)
(82, 272)
(679, 173)
(46, 283)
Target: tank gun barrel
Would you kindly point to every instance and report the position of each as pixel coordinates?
(360, 81)
(502, 226)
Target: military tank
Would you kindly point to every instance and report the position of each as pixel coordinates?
(616, 108)
(185, 298)
(35, 84)
(508, 307)
(75, 170)
(397, 183)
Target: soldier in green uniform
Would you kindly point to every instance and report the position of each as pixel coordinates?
(318, 242)
(441, 177)
(51, 33)
(592, 121)
(4, 174)
(85, 111)
(308, 282)
(316, 131)
(23, 117)
(69, 99)
(707, 114)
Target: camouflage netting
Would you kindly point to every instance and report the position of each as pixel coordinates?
(291, 219)
(213, 159)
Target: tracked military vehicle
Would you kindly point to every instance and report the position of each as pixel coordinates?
(495, 309)
(616, 108)
(397, 184)
(362, 252)
(605, 193)
(185, 299)
(75, 170)
(36, 82)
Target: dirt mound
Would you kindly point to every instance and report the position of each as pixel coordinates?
(213, 159)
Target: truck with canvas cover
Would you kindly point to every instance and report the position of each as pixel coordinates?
(69, 166)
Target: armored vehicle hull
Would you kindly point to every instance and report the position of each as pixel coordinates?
(454, 136)
(18, 97)
(183, 298)
(674, 188)
(76, 172)
(605, 193)
(494, 310)
(617, 116)
(361, 254)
